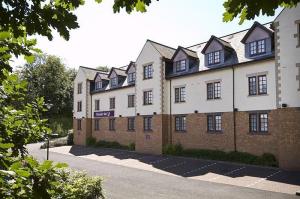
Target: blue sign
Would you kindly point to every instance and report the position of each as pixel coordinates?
(104, 114)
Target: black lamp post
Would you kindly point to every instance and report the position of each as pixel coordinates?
(53, 135)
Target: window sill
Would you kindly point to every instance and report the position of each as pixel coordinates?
(180, 131)
(258, 95)
(213, 99)
(182, 102)
(147, 104)
(148, 131)
(147, 78)
(128, 130)
(113, 130)
(214, 132)
(259, 133)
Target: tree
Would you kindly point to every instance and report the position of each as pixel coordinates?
(24, 18)
(48, 77)
(103, 68)
(249, 9)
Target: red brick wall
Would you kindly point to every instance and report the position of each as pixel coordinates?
(80, 136)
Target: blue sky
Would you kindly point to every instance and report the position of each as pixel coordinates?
(105, 38)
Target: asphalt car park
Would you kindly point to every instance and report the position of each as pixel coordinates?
(258, 177)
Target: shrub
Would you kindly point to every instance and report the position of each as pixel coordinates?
(131, 146)
(115, 145)
(241, 157)
(56, 143)
(70, 138)
(91, 141)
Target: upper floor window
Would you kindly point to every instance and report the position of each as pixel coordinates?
(214, 90)
(79, 106)
(214, 57)
(131, 77)
(79, 88)
(97, 105)
(257, 47)
(148, 71)
(111, 124)
(148, 97)
(180, 65)
(258, 122)
(257, 85)
(214, 122)
(147, 123)
(130, 124)
(179, 94)
(98, 85)
(180, 123)
(114, 82)
(112, 103)
(131, 101)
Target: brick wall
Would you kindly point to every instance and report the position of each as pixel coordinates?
(80, 136)
(120, 135)
(197, 137)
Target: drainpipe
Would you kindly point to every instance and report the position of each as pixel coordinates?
(233, 109)
(170, 116)
(91, 111)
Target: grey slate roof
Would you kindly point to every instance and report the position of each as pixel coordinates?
(190, 53)
(104, 76)
(90, 72)
(164, 50)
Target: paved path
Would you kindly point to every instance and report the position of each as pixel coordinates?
(133, 175)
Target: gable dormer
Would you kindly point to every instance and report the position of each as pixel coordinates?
(130, 71)
(218, 52)
(258, 41)
(184, 60)
(116, 77)
(101, 81)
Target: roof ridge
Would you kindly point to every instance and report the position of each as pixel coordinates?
(160, 44)
(187, 49)
(91, 68)
(229, 34)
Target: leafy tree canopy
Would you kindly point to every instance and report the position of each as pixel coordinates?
(249, 9)
(103, 68)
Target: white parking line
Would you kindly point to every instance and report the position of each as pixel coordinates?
(228, 173)
(198, 169)
(263, 179)
(157, 161)
(174, 165)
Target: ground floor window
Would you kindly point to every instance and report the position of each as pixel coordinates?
(112, 122)
(148, 123)
(214, 122)
(180, 123)
(258, 122)
(79, 124)
(130, 124)
(97, 124)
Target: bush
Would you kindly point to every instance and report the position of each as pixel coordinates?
(91, 141)
(241, 157)
(56, 143)
(60, 125)
(115, 145)
(70, 138)
(131, 146)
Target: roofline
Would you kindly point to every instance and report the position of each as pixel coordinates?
(228, 35)
(160, 44)
(223, 67)
(111, 89)
(92, 69)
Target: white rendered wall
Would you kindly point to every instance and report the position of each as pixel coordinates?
(80, 78)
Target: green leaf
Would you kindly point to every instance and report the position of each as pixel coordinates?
(30, 58)
(4, 35)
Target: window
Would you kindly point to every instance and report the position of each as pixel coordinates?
(214, 58)
(97, 105)
(148, 123)
(258, 122)
(257, 85)
(257, 47)
(180, 65)
(79, 88)
(180, 94)
(298, 34)
(214, 90)
(112, 103)
(148, 71)
(114, 82)
(214, 122)
(98, 85)
(180, 123)
(111, 124)
(78, 125)
(79, 106)
(131, 77)
(130, 124)
(97, 124)
(131, 101)
(148, 97)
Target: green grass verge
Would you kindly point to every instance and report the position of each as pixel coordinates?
(240, 157)
(91, 141)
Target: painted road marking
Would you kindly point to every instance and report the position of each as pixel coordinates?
(198, 169)
(174, 165)
(263, 179)
(228, 173)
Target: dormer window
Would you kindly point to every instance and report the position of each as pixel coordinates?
(180, 65)
(257, 47)
(131, 77)
(98, 85)
(113, 81)
(214, 58)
